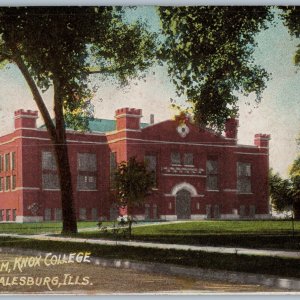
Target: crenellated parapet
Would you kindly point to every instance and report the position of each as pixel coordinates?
(128, 118)
(25, 118)
(261, 140)
(231, 128)
(128, 111)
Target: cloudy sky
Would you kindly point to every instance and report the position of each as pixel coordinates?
(278, 114)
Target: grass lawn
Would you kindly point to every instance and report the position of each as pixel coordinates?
(218, 261)
(39, 227)
(252, 234)
(273, 234)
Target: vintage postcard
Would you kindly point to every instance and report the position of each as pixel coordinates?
(149, 150)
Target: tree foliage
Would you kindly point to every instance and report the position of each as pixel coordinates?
(209, 53)
(291, 19)
(295, 179)
(60, 47)
(285, 193)
(280, 192)
(132, 184)
(67, 44)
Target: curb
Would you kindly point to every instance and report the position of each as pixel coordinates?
(170, 269)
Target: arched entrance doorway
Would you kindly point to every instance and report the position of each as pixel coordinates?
(183, 204)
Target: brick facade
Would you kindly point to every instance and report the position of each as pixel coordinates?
(199, 174)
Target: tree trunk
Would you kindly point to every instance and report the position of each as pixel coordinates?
(65, 179)
(58, 137)
(129, 227)
(297, 210)
(63, 164)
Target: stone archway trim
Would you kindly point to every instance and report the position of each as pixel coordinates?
(184, 186)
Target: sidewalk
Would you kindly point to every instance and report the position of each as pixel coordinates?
(229, 250)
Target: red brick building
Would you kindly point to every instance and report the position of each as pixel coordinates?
(199, 174)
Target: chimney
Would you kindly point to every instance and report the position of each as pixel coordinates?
(231, 126)
(262, 140)
(128, 118)
(151, 119)
(25, 119)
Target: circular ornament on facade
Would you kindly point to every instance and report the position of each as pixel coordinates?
(34, 207)
(183, 130)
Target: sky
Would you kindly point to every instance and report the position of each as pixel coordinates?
(278, 113)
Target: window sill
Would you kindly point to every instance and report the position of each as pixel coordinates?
(242, 193)
(213, 190)
(87, 190)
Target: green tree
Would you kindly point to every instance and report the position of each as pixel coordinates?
(59, 47)
(295, 179)
(132, 184)
(291, 19)
(280, 192)
(209, 53)
(285, 193)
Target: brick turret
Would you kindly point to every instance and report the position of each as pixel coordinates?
(262, 140)
(25, 118)
(231, 128)
(128, 118)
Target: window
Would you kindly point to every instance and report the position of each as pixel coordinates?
(208, 211)
(154, 211)
(150, 161)
(50, 180)
(212, 175)
(147, 212)
(87, 171)
(244, 177)
(1, 163)
(13, 160)
(14, 214)
(175, 158)
(8, 215)
(87, 162)
(217, 211)
(14, 182)
(1, 184)
(1, 215)
(82, 214)
(7, 156)
(94, 214)
(58, 214)
(112, 165)
(252, 211)
(86, 183)
(188, 159)
(47, 216)
(7, 183)
(242, 211)
(48, 161)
